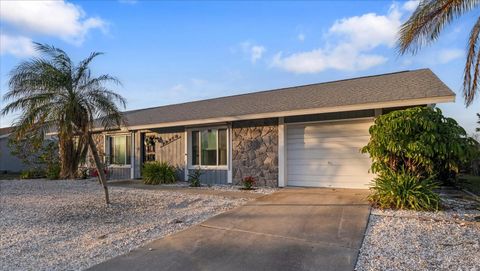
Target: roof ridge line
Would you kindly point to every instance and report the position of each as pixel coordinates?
(277, 89)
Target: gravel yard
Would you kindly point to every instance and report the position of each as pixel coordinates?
(408, 240)
(65, 225)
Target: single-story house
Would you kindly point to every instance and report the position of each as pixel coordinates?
(297, 136)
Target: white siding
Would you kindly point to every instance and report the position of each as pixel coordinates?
(328, 154)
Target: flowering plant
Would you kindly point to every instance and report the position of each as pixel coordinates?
(249, 182)
(94, 172)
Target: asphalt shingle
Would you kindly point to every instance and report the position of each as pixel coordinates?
(406, 85)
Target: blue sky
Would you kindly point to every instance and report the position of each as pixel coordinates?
(170, 52)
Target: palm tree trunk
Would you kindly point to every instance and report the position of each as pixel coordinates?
(99, 165)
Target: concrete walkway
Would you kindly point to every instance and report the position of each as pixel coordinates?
(294, 229)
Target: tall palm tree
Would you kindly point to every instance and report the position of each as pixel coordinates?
(425, 26)
(54, 94)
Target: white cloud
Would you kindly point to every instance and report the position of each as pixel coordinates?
(341, 58)
(447, 55)
(369, 30)
(53, 18)
(301, 37)
(19, 46)
(434, 57)
(255, 52)
(354, 39)
(411, 5)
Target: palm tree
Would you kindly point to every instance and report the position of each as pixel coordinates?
(54, 94)
(425, 26)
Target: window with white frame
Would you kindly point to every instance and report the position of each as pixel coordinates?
(208, 147)
(120, 149)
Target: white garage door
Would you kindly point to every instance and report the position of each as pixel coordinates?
(328, 154)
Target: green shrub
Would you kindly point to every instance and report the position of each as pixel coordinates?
(53, 171)
(421, 140)
(32, 174)
(194, 178)
(403, 190)
(158, 172)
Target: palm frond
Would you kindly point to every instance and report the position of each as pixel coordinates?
(83, 66)
(428, 20)
(471, 72)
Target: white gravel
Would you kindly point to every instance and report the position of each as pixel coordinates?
(65, 225)
(408, 240)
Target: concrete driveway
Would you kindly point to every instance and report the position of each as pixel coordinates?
(294, 229)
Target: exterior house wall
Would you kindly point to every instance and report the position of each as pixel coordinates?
(255, 151)
(331, 116)
(98, 139)
(212, 176)
(9, 162)
(138, 155)
(114, 172)
(172, 150)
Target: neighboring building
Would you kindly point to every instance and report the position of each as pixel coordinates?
(298, 136)
(8, 162)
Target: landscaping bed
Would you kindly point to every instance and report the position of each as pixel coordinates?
(410, 240)
(65, 225)
(180, 184)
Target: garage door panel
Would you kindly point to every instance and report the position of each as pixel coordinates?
(327, 129)
(357, 140)
(331, 162)
(346, 183)
(340, 125)
(325, 154)
(326, 133)
(328, 154)
(327, 170)
(341, 146)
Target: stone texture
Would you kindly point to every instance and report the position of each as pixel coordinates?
(99, 142)
(255, 151)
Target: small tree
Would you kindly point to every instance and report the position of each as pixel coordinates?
(52, 93)
(420, 140)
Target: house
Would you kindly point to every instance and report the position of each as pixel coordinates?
(297, 136)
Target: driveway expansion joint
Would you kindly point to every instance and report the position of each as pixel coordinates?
(279, 237)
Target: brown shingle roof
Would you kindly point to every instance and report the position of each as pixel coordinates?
(406, 85)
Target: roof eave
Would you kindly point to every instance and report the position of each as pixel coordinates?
(343, 108)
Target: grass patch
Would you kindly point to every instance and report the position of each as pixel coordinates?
(470, 183)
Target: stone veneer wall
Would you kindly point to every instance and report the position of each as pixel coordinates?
(255, 151)
(99, 142)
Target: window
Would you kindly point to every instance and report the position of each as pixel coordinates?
(209, 147)
(195, 152)
(222, 147)
(120, 149)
